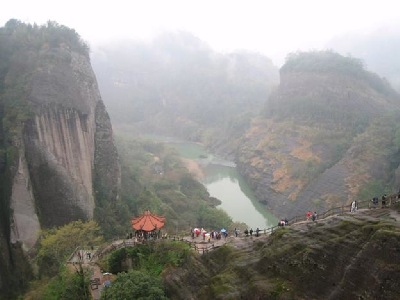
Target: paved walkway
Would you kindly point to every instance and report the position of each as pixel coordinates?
(85, 256)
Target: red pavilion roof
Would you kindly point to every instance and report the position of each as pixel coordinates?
(148, 222)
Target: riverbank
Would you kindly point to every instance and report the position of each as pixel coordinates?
(222, 181)
(194, 168)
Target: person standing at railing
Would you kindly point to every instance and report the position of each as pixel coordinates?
(384, 201)
(375, 202)
(314, 216)
(353, 206)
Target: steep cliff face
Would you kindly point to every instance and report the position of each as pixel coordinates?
(65, 140)
(56, 140)
(326, 137)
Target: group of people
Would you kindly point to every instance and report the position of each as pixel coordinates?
(207, 236)
(144, 235)
(250, 232)
(375, 201)
(311, 215)
(283, 222)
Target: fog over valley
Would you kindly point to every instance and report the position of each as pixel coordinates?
(199, 149)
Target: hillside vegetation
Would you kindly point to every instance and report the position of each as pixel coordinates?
(298, 145)
(327, 135)
(155, 178)
(342, 257)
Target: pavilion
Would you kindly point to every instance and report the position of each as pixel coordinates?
(147, 224)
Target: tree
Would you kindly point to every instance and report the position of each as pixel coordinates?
(56, 245)
(134, 285)
(68, 285)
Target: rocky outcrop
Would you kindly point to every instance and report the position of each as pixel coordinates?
(66, 145)
(320, 141)
(54, 129)
(349, 256)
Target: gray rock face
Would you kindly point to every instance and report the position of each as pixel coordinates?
(66, 144)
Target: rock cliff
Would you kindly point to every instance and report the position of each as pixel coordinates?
(66, 141)
(57, 140)
(328, 135)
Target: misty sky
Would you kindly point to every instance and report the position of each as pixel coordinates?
(274, 28)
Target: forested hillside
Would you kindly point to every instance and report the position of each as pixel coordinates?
(329, 134)
(297, 145)
(176, 85)
(154, 177)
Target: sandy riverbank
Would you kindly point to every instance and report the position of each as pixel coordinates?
(194, 168)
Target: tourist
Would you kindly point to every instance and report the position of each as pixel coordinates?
(353, 206)
(314, 216)
(251, 231)
(246, 232)
(384, 201)
(257, 231)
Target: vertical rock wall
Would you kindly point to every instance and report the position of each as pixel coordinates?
(65, 144)
(25, 223)
(59, 149)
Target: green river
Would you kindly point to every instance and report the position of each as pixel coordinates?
(223, 181)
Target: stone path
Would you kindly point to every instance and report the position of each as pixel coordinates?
(85, 256)
(240, 242)
(96, 273)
